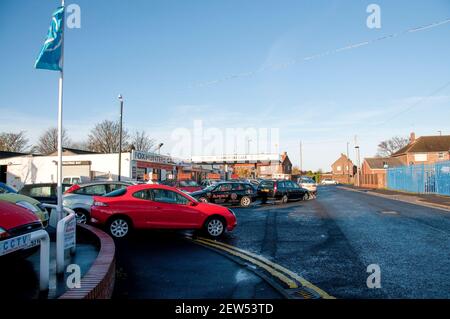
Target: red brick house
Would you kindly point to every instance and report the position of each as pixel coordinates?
(373, 171)
(424, 150)
(342, 170)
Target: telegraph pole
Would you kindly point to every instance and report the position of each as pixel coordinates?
(357, 151)
(348, 164)
(301, 158)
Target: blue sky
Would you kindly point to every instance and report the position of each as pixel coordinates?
(164, 56)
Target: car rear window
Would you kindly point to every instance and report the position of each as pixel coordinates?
(117, 192)
(266, 184)
(98, 190)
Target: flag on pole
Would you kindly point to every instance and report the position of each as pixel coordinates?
(50, 55)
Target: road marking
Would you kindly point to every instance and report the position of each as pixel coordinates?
(273, 268)
(289, 282)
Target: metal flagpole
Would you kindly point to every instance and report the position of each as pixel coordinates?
(60, 127)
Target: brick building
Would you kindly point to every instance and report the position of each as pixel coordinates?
(342, 170)
(373, 171)
(424, 150)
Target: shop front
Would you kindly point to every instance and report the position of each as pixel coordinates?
(151, 167)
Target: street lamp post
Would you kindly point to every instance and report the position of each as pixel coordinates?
(120, 135)
(159, 148)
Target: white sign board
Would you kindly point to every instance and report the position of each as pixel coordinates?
(236, 158)
(16, 243)
(69, 233)
(420, 157)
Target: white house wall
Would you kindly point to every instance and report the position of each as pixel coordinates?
(43, 169)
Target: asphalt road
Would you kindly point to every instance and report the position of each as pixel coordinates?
(163, 265)
(330, 241)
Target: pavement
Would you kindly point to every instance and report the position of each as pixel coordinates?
(19, 277)
(430, 200)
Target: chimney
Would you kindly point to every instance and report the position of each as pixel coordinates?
(412, 138)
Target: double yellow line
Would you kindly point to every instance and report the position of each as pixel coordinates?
(288, 277)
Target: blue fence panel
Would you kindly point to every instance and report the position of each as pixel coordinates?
(422, 179)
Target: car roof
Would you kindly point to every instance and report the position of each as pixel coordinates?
(104, 183)
(43, 184)
(135, 188)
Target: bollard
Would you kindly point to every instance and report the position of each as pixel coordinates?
(44, 267)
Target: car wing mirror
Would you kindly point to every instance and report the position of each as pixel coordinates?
(193, 204)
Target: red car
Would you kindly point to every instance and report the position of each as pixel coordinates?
(15, 222)
(158, 207)
(187, 186)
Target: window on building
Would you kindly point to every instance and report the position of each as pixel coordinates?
(441, 155)
(339, 168)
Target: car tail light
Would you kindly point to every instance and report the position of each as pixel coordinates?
(72, 189)
(274, 187)
(97, 203)
(3, 233)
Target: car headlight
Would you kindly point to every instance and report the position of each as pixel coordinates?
(3, 233)
(28, 206)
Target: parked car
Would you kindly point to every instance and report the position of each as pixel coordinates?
(29, 203)
(187, 186)
(282, 190)
(15, 222)
(158, 207)
(72, 180)
(328, 181)
(308, 183)
(79, 198)
(227, 192)
(5, 189)
(44, 193)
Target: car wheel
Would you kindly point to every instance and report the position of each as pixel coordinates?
(245, 201)
(215, 227)
(263, 200)
(284, 199)
(82, 216)
(203, 200)
(119, 227)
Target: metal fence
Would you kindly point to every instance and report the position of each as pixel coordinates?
(422, 179)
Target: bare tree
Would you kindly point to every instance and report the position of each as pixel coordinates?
(13, 142)
(81, 145)
(104, 137)
(389, 147)
(48, 142)
(142, 142)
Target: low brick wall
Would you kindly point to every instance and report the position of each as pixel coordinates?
(98, 282)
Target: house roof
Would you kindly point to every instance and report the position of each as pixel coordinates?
(343, 156)
(4, 154)
(379, 162)
(73, 151)
(425, 144)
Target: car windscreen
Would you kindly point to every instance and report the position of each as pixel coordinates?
(7, 189)
(188, 183)
(116, 193)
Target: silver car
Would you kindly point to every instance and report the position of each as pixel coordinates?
(80, 198)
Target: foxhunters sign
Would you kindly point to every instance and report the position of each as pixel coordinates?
(150, 157)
